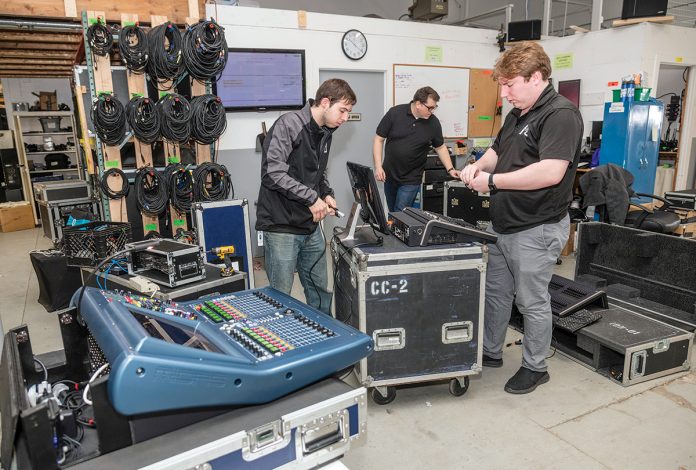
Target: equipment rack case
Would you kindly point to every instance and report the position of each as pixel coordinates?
(423, 307)
(54, 215)
(302, 430)
(464, 203)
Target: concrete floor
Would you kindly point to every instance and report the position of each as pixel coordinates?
(578, 420)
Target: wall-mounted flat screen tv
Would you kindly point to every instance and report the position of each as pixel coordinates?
(263, 80)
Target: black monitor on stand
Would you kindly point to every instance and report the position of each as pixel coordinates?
(367, 206)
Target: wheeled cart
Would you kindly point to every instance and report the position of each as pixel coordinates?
(423, 307)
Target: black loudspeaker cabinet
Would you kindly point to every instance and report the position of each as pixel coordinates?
(463, 203)
(643, 8)
(524, 30)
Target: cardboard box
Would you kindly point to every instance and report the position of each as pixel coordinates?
(48, 101)
(16, 216)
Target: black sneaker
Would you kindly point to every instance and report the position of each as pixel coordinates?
(490, 362)
(525, 381)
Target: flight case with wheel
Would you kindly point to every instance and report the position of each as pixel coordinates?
(423, 307)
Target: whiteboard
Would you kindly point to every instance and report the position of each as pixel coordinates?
(451, 83)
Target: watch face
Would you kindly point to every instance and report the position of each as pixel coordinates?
(354, 44)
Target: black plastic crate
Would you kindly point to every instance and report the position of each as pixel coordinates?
(88, 244)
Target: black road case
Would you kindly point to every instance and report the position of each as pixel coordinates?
(628, 347)
(423, 307)
(54, 215)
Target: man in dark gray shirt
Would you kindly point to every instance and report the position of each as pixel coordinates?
(529, 172)
(295, 194)
(410, 131)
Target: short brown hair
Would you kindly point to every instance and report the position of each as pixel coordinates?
(422, 95)
(523, 59)
(335, 89)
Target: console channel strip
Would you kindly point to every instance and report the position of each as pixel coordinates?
(244, 348)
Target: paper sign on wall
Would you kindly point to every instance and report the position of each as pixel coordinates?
(563, 61)
(433, 54)
(616, 108)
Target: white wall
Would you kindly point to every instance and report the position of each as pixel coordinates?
(389, 42)
(20, 89)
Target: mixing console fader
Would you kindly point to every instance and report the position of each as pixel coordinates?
(243, 348)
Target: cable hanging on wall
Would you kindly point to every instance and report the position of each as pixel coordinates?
(132, 43)
(151, 194)
(175, 118)
(212, 182)
(180, 184)
(100, 38)
(106, 189)
(205, 50)
(209, 118)
(143, 119)
(165, 61)
(109, 119)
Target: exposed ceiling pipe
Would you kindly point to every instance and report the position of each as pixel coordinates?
(32, 25)
(545, 18)
(596, 15)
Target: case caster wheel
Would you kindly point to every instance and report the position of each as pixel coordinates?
(559, 261)
(458, 388)
(380, 399)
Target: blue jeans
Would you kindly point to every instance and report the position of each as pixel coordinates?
(286, 252)
(400, 195)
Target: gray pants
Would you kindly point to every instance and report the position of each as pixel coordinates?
(520, 266)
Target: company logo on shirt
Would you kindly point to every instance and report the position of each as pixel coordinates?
(525, 131)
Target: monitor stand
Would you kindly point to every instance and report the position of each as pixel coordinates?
(349, 230)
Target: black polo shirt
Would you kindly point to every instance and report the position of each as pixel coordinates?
(551, 129)
(408, 142)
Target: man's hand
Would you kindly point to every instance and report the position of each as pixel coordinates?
(319, 210)
(380, 175)
(454, 173)
(331, 202)
(480, 182)
(468, 173)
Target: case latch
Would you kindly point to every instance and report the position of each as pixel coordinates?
(390, 338)
(265, 439)
(457, 332)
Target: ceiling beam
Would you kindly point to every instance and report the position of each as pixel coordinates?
(42, 61)
(61, 68)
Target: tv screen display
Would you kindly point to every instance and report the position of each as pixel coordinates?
(263, 79)
(366, 192)
(571, 90)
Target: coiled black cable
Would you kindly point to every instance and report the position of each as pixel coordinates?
(100, 38)
(209, 118)
(109, 119)
(211, 182)
(205, 50)
(180, 183)
(106, 189)
(151, 194)
(132, 42)
(143, 119)
(175, 118)
(165, 61)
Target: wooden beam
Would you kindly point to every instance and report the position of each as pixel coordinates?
(26, 74)
(43, 46)
(175, 11)
(40, 37)
(38, 61)
(30, 54)
(650, 19)
(36, 67)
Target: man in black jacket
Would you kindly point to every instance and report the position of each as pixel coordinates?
(295, 194)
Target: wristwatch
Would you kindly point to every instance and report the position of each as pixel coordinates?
(491, 184)
(450, 169)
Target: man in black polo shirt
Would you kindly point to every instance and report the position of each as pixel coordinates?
(529, 172)
(410, 130)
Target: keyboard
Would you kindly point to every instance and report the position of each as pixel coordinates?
(577, 320)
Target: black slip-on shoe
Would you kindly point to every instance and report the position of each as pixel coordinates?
(525, 381)
(490, 362)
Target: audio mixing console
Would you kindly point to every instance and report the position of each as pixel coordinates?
(244, 348)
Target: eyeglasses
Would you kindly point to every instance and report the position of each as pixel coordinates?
(429, 108)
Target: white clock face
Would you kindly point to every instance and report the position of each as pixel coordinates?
(354, 44)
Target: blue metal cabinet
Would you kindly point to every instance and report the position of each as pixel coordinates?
(631, 139)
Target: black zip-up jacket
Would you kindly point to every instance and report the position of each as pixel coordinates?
(293, 173)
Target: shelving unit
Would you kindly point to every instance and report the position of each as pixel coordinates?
(28, 130)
